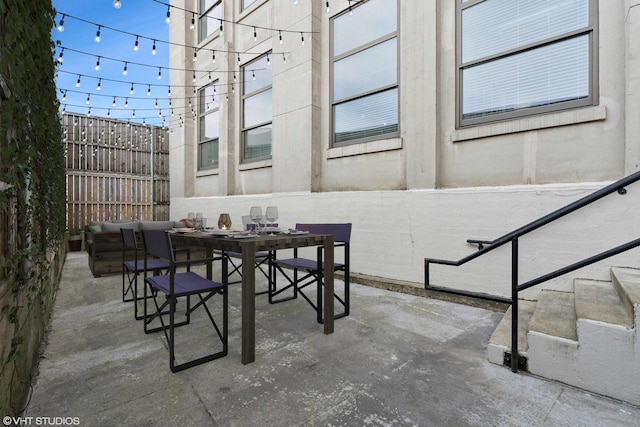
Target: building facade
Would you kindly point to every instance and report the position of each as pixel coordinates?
(424, 123)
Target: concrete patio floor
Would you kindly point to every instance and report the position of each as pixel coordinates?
(396, 360)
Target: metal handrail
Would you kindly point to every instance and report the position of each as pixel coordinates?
(512, 237)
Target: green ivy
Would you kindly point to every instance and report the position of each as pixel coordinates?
(31, 163)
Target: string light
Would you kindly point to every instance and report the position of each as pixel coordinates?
(131, 90)
(60, 57)
(117, 4)
(134, 114)
(328, 8)
(213, 57)
(89, 112)
(221, 26)
(136, 45)
(280, 36)
(159, 73)
(193, 21)
(78, 81)
(239, 58)
(168, 18)
(253, 74)
(268, 60)
(302, 38)
(126, 103)
(88, 101)
(64, 96)
(255, 34)
(113, 104)
(61, 24)
(153, 49)
(156, 103)
(195, 54)
(149, 90)
(98, 38)
(99, 84)
(97, 67)
(124, 70)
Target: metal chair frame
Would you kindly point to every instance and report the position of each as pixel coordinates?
(176, 285)
(131, 269)
(313, 269)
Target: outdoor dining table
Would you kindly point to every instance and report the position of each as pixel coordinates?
(248, 246)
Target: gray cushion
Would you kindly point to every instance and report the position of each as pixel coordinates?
(110, 227)
(156, 225)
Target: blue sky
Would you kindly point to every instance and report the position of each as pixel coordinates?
(145, 18)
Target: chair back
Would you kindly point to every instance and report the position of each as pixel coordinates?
(129, 238)
(341, 232)
(158, 244)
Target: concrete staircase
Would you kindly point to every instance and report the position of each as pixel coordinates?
(587, 338)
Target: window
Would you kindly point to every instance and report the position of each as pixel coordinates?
(209, 127)
(257, 109)
(210, 15)
(247, 3)
(364, 52)
(523, 57)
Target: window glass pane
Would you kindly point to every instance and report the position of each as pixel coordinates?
(543, 76)
(258, 109)
(257, 142)
(209, 126)
(366, 70)
(370, 21)
(368, 116)
(247, 3)
(208, 155)
(208, 99)
(209, 21)
(495, 26)
(262, 72)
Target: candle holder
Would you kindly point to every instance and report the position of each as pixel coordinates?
(224, 221)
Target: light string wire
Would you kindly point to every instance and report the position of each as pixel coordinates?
(192, 47)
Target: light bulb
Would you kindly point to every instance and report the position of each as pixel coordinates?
(78, 82)
(98, 38)
(117, 4)
(136, 45)
(97, 67)
(99, 85)
(124, 70)
(168, 18)
(193, 22)
(61, 24)
(213, 57)
(153, 49)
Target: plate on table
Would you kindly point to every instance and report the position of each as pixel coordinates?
(242, 235)
(218, 232)
(184, 230)
(292, 231)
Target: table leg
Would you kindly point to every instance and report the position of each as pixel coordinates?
(328, 285)
(248, 303)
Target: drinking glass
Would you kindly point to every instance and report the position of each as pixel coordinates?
(256, 216)
(271, 215)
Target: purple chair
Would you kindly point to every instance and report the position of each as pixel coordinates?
(131, 269)
(312, 270)
(175, 285)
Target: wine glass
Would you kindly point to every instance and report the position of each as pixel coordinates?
(256, 216)
(271, 215)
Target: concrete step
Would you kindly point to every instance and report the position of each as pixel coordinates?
(599, 301)
(627, 282)
(500, 340)
(555, 315)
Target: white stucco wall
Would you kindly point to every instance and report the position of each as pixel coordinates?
(393, 231)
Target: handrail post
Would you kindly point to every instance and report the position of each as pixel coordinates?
(514, 304)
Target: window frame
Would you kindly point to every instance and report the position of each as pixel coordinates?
(243, 98)
(202, 116)
(245, 7)
(592, 100)
(204, 14)
(354, 51)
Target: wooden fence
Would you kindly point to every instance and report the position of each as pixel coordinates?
(116, 170)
